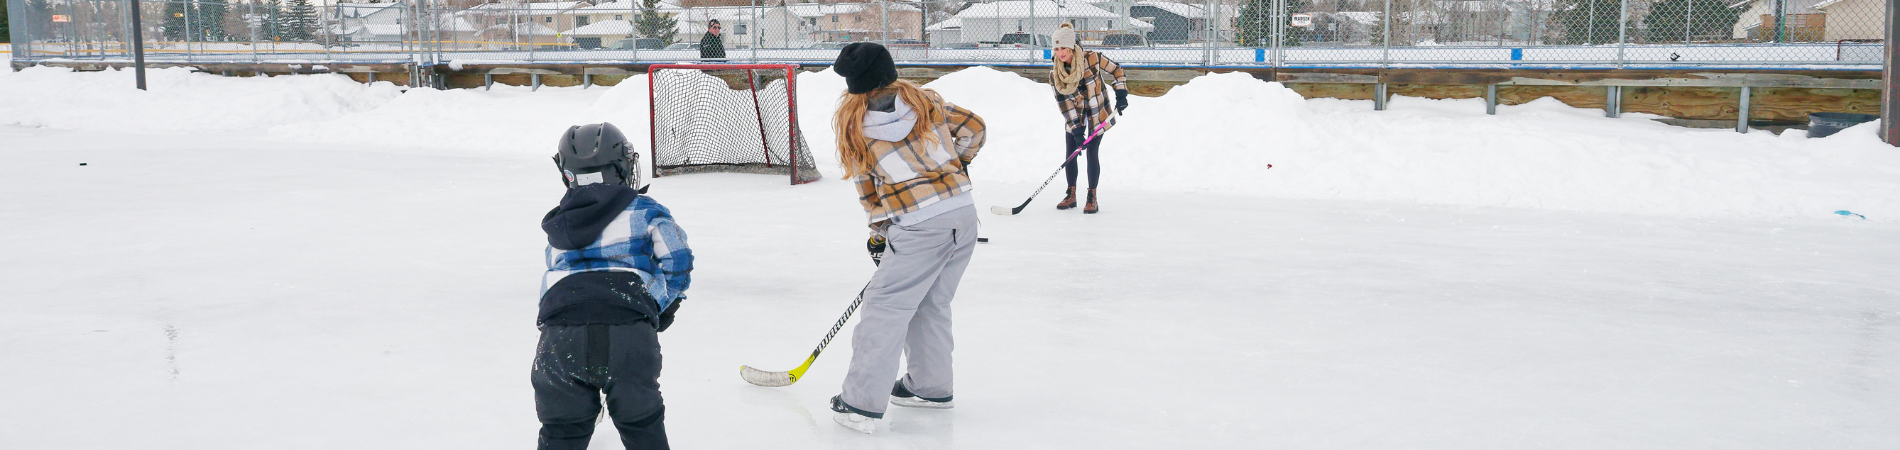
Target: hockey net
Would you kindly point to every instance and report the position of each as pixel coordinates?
(727, 118)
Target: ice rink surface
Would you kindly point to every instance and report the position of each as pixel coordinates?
(226, 291)
(311, 263)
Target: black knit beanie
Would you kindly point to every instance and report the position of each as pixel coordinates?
(865, 66)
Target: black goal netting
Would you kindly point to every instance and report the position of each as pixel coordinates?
(729, 118)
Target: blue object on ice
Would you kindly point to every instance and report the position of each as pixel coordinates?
(1850, 213)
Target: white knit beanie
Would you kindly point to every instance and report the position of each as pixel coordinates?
(1065, 37)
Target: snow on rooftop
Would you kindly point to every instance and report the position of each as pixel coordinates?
(604, 28)
(1022, 9)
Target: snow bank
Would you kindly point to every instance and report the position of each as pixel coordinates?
(1217, 133)
(179, 101)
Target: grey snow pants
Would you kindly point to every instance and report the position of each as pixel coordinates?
(576, 364)
(906, 311)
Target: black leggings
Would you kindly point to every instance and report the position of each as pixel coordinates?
(1095, 165)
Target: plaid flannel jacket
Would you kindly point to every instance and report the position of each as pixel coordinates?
(643, 240)
(932, 173)
(1091, 105)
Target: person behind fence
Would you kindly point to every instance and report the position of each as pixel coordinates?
(711, 46)
(618, 268)
(907, 151)
(1081, 78)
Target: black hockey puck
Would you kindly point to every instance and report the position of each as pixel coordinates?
(983, 240)
(82, 164)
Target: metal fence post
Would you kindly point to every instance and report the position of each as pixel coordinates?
(1741, 118)
(324, 20)
(1279, 31)
(1491, 99)
(1210, 33)
(1385, 42)
(1622, 31)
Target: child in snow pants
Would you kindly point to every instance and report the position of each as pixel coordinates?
(618, 268)
(907, 151)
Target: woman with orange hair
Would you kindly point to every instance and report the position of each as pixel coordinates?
(907, 150)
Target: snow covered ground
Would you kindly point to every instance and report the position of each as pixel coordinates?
(305, 262)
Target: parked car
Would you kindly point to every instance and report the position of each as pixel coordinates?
(1124, 40)
(683, 46)
(1018, 40)
(910, 43)
(637, 44)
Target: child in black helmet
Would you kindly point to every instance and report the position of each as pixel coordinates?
(618, 267)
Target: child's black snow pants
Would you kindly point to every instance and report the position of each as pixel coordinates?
(575, 364)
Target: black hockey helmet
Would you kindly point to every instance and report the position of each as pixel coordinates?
(597, 153)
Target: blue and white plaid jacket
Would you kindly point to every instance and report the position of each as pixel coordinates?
(644, 240)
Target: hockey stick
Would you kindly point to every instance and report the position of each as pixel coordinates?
(1052, 177)
(779, 379)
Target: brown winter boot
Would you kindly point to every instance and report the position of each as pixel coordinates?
(1067, 202)
(1092, 207)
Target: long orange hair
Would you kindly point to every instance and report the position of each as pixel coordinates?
(854, 149)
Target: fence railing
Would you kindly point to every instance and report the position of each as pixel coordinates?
(1817, 34)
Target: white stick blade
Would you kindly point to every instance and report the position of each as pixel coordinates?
(764, 378)
(1002, 210)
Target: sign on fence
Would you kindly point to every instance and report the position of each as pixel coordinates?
(1303, 20)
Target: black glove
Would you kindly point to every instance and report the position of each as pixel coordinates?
(876, 246)
(1121, 100)
(666, 318)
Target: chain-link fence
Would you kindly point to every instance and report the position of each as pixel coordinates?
(1198, 33)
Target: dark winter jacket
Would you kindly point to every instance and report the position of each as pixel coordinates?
(712, 47)
(614, 257)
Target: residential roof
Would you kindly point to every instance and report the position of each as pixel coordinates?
(1019, 9)
(530, 7)
(351, 10)
(626, 6)
(604, 28)
(1363, 17)
(953, 23)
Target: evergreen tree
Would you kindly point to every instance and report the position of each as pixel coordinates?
(653, 24)
(174, 23)
(210, 15)
(1588, 21)
(1669, 20)
(300, 21)
(270, 17)
(6, 32)
(1257, 20)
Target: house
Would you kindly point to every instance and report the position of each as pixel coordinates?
(1173, 22)
(605, 23)
(988, 22)
(628, 10)
(367, 22)
(861, 21)
(1853, 19)
(1800, 21)
(557, 16)
(747, 26)
(949, 30)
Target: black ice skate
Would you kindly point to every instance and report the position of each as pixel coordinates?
(903, 397)
(853, 418)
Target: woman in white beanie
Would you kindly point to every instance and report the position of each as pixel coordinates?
(1081, 79)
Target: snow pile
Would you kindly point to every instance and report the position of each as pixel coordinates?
(179, 101)
(1218, 133)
